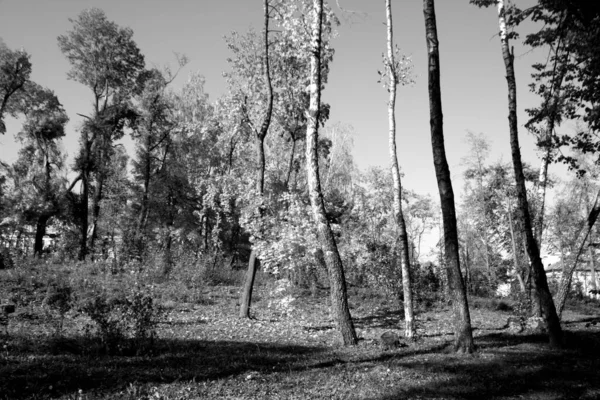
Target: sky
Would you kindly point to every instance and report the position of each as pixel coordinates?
(474, 91)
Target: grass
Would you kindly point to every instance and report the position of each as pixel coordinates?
(203, 351)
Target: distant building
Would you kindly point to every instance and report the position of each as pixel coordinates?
(584, 278)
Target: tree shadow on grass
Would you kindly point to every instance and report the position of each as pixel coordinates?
(57, 369)
(510, 366)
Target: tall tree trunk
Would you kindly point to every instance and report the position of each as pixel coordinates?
(463, 335)
(467, 269)
(143, 216)
(409, 324)
(541, 193)
(83, 213)
(513, 242)
(339, 296)
(246, 300)
(582, 239)
(552, 103)
(551, 110)
(40, 232)
(98, 191)
(539, 275)
(288, 175)
(592, 255)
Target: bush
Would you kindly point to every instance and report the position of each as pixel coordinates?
(492, 304)
(57, 302)
(6, 260)
(125, 322)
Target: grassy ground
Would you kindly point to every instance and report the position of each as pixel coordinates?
(204, 352)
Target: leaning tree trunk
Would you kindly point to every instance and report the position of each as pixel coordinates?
(463, 340)
(539, 275)
(339, 297)
(246, 299)
(552, 103)
(582, 238)
(409, 324)
(513, 242)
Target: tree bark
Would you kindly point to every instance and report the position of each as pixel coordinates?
(40, 232)
(98, 190)
(514, 250)
(288, 175)
(339, 297)
(246, 300)
(409, 324)
(463, 335)
(552, 102)
(83, 213)
(594, 284)
(539, 274)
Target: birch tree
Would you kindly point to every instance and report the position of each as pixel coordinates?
(397, 73)
(463, 336)
(339, 297)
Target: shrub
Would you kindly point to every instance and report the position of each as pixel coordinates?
(125, 322)
(6, 260)
(57, 302)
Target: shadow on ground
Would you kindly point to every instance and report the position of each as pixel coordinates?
(505, 367)
(59, 367)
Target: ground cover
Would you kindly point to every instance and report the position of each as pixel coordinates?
(203, 351)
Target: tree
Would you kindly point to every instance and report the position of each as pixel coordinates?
(105, 58)
(463, 339)
(572, 227)
(539, 275)
(570, 29)
(153, 134)
(44, 126)
(397, 73)
(37, 185)
(15, 69)
(261, 134)
(339, 297)
(476, 171)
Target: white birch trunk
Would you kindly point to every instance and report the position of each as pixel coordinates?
(409, 325)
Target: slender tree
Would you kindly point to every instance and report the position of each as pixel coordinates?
(539, 275)
(339, 297)
(577, 248)
(463, 339)
(261, 134)
(394, 71)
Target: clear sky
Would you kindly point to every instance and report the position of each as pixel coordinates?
(474, 91)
